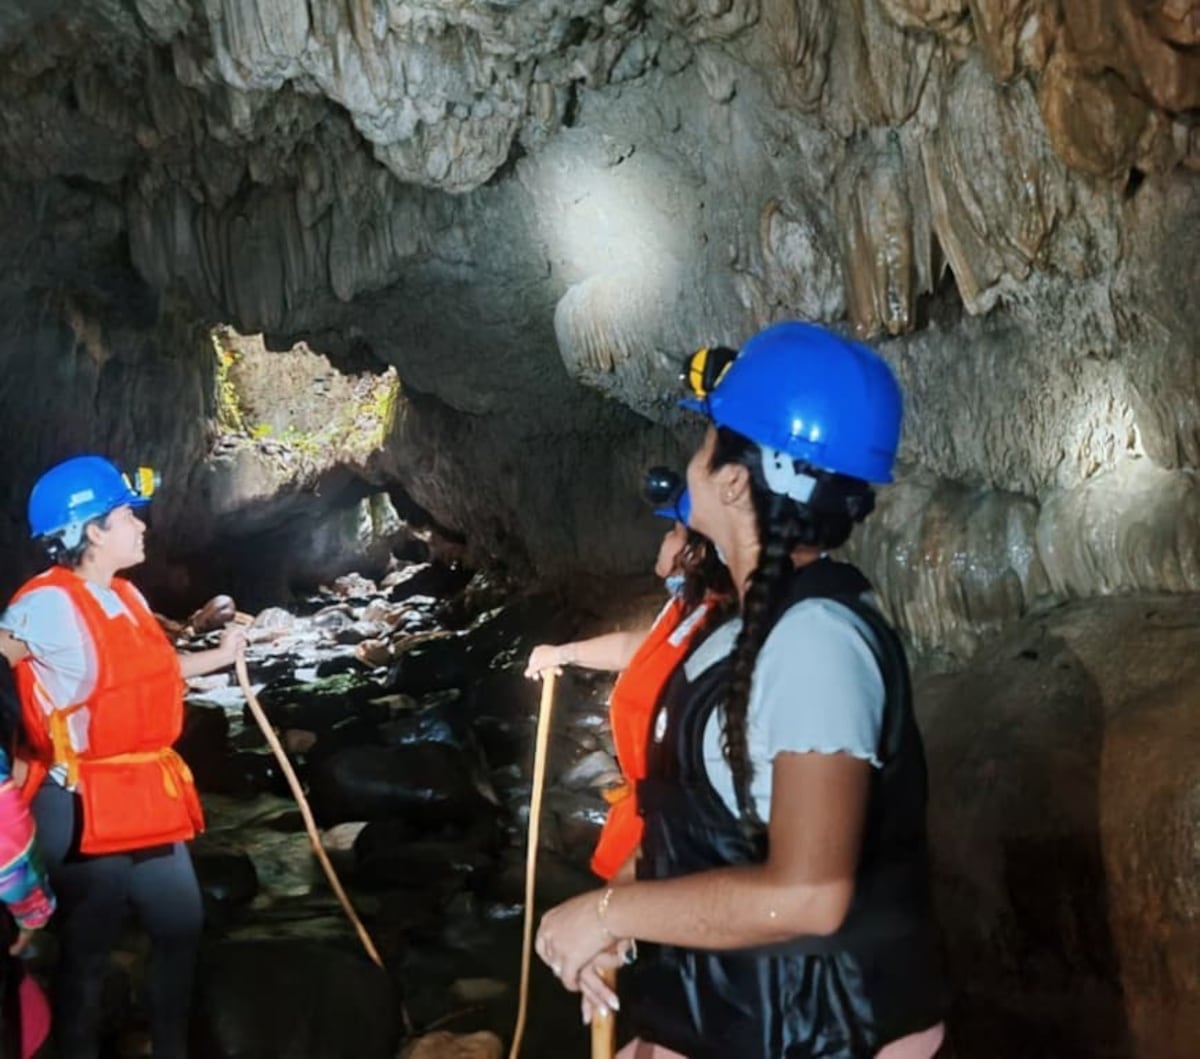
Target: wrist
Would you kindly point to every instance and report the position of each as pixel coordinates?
(566, 657)
(602, 906)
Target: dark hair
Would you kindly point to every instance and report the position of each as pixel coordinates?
(783, 524)
(60, 555)
(703, 573)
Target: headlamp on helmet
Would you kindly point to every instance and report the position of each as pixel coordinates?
(705, 368)
(664, 488)
(143, 482)
(806, 392)
(71, 494)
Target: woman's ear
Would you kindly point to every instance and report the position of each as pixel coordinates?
(92, 532)
(734, 483)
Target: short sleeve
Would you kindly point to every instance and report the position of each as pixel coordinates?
(817, 686)
(45, 620)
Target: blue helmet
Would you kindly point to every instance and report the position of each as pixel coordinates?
(813, 396)
(72, 493)
(679, 511)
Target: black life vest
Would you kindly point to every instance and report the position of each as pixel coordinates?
(845, 996)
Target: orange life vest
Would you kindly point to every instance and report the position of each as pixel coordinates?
(634, 697)
(135, 790)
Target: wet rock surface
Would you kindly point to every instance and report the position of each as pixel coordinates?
(527, 213)
(426, 830)
(1062, 764)
(1063, 818)
(1061, 795)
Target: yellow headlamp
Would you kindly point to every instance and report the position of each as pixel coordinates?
(705, 368)
(144, 482)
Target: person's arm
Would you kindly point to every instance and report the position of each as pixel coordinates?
(11, 648)
(197, 663)
(610, 651)
(804, 887)
(627, 872)
(23, 885)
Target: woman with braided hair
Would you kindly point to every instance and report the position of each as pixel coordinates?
(782, 900)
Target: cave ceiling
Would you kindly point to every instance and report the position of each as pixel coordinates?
(532, 209)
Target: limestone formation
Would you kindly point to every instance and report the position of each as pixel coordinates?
(1062, 823)
(532, 210)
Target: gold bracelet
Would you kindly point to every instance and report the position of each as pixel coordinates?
(602, 914)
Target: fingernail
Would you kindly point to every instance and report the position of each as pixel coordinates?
(615, 1004)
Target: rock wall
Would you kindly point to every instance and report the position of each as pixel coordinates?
(1062, 820)
(532, 210)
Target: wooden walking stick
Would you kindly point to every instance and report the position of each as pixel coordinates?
(310, 825)
(604, 1025)
(540, 756)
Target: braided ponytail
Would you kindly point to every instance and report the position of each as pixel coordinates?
(783, 524)
(780, 529)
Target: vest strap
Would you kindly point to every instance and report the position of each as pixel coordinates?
(174, 769)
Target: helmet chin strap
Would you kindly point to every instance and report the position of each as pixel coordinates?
(783, 477)
(70, 536)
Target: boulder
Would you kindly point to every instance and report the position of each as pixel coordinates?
(387, 856)
(228, 882)
(1063, 817)
(429, 784)
(444, 1045)
(280, 999)
(319, 704)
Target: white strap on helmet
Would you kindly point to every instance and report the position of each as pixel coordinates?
(784, 477)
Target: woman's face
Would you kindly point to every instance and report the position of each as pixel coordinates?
(673, 543)
(121, 543)
(707, 513)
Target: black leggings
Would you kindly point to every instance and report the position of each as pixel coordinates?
(94, 897)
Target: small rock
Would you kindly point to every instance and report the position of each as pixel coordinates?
(398, 703)
(339, 664)
(607, 780)
(298, 740)
(587, 768)
(273, 618)
(587, 741)
(270, 624)
(357, 632)
(332, 619)
(477, 990)
(215, 614)
(443, 1045)
(354, 586)
(374, 653)
(381, 610)
(209, 681)
(340, 838)
(227, 881)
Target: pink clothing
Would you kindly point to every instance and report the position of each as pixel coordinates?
(35, 1017)
(23, 885)
(24, 890)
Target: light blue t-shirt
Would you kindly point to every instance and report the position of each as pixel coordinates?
(61, 650)
(816, 689)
